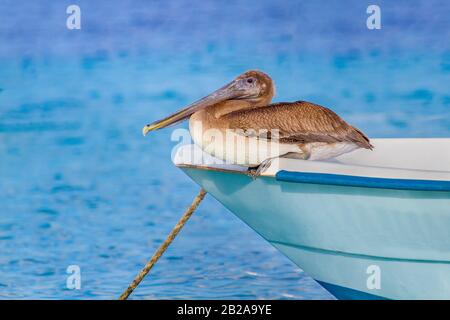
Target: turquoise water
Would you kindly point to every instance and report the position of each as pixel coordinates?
(79, 185)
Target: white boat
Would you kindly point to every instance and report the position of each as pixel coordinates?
(366, 225)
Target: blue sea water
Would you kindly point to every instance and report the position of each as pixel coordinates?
(79, 185)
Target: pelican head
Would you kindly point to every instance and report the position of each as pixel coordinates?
(253, 86)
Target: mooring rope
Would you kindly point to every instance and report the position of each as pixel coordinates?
(164, 246)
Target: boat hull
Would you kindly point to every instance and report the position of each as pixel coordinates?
(359, 242)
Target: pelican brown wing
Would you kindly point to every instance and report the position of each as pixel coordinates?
(297, 122)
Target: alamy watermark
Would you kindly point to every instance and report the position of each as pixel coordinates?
(73, 281)
(374, 279)
(373, 22)
(229, 146)
(74, 19)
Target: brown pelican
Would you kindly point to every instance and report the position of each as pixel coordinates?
(239, 124)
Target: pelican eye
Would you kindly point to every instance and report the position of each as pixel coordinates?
(250, 80)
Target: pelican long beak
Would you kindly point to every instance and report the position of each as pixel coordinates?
(230, 91)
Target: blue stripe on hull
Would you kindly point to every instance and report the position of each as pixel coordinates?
(343, 293)
(366, 182)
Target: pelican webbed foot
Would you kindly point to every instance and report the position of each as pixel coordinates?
(254, 172)
(251, 172)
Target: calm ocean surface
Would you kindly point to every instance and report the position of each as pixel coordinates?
(79, 185)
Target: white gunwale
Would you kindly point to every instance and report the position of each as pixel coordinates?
(412, 159)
